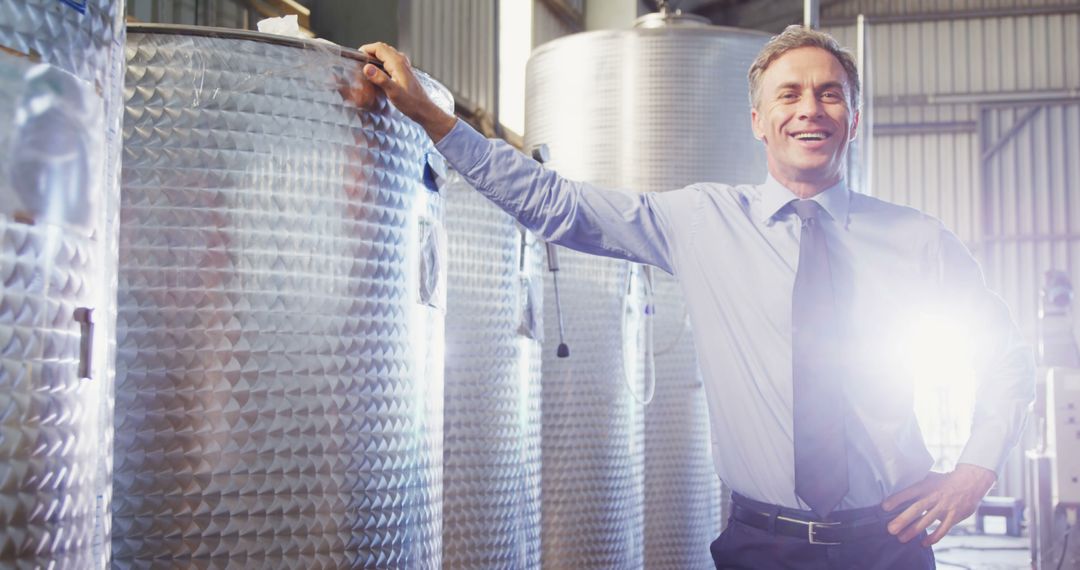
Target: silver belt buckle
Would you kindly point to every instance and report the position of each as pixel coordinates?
(811, 530)
(812, 527)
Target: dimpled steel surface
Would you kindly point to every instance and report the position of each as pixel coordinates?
(626, 109)
(492, 415)
(85, 43)
(279, 382)
(677, 445)
(593, 446)
(56, 429)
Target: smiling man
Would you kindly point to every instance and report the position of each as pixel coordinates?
(795, 288)
(803, 109)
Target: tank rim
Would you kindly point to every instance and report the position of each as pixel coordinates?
(254, 36)
(250, 35)
(709, 30)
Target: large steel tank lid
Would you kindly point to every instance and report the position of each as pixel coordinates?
(681, 30)
(439, 93)
(235, 34)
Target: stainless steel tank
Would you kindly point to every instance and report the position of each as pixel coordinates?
(593, 440)
(652, 109)
(61, 67)
(683, 495)
(280, 337)
(494, 324)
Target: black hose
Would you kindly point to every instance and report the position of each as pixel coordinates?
(1064, 547)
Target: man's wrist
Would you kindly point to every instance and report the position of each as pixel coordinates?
(437, 124)
(977, 474)
(973, 468)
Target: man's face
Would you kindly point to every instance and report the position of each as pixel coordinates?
(804, 118)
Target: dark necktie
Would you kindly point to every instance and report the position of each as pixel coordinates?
(820, 446)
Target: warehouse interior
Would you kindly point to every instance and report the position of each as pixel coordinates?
(247, 321)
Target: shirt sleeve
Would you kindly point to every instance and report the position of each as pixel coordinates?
(1004, 363)
(580, 216)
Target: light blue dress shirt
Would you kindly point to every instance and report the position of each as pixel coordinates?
(734, 250)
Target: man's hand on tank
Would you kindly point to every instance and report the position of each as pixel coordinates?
(359, 90)
(397, 80)
(946, 497)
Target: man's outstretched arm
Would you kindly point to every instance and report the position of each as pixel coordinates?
(580, 216)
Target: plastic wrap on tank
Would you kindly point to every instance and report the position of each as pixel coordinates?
(60, 92)
(492, 413)
(280, 369)
(623, 109)
(52, 145)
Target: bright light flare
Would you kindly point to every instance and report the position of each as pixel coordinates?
(938, 357)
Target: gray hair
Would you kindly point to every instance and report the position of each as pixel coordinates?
(795, 37)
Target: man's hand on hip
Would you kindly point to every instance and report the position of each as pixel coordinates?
(400, 85)
(946, 497)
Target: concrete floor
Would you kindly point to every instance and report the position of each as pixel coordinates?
(964, 550)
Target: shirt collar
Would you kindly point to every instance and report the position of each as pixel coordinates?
(773, 196)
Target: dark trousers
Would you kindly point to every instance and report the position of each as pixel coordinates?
(742, 546)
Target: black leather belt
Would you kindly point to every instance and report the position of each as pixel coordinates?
(851, 526)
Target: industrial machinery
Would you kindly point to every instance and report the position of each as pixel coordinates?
(1054, 465)
(61, 82)
(654, 108)
(281, 297)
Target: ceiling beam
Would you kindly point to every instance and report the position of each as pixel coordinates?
(768, 15)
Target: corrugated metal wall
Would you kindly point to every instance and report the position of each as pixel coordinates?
(930, 80)
(1032, 200)
(548, 26)
(942, 185)
(219, 13)
(892, 8)
(454, 41)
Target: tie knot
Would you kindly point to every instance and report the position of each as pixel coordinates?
(807, 210)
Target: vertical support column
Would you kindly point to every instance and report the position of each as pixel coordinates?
(811, 14)
(864, 149)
